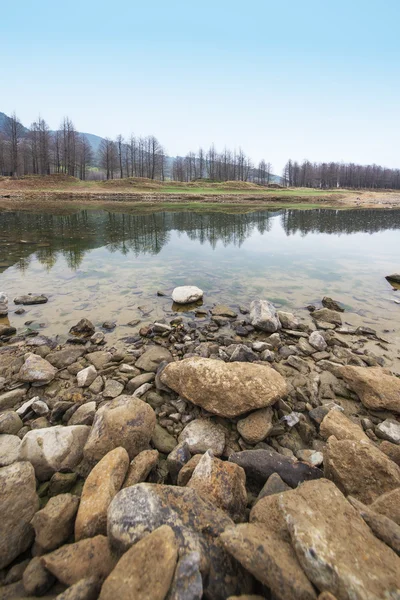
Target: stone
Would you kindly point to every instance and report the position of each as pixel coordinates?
(84, 414)
(327, 316)
(61, 483)
(85, 589)
(263, 316)
(140, 467)
(376, 389)
(65, 357)
(86, 376)
(256, 426)
(31, 299)
(97, 386)
(18, 504)
(125, 421)
(10, 422)
(242, 353)
(97, 338)
(222, 310)
(186, 294)
(54, 524)
(222, 483)
(317, 341)
(99, 358)
(145, 570)
(336, 549)
(337, 424)
(388, 504)
(36, 579)
(331, 304)
(311, 457)
(201, 435)
(382, 527)
(84, 328)
(389, 430)
(54, 448)
(100, 487)
(186, 471)
(11, 398)
(7, 330)
(3, 304)
(150, 360)
(299, 364)
(360, 469)
(40, 408)
(177, 459)
(394, 278)
(36, 370)
(288, 320)
(142, 390)
(392, 451)
(86, 558)
(15, 572)
(9, 449)
(261, 464)
(225, 389)
(273, 485)
(162, 440)
(187, 583)
(136, 382)
(112, 388)
(109, 325)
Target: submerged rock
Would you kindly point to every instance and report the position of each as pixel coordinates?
(186, 294)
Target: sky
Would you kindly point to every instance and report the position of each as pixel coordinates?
(299, 79)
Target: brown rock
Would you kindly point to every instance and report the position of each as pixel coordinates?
(54, 524)
(226, 389)
(359, 469)
(383, 528)
(389, 505)
(391, 450)
(256, 426)
(103, 482)
(146, 570)
(326, 596)
(86, 558)
(337, 424)
(186, 472)
(150, 360)
(375, 388)
(327, 316)
(140, 467)
(36, 579)
(85, 589)
(222, 483)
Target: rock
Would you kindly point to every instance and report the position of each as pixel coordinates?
(31, 299)
(273, 485)
(7, 330)
(61, 483)
(97, 386)
(97, 338)
(140, 467)
(256, 426)
(86, 377)
(142, 390)
(337, 424)
(109, 325)
(242, 353)
(392, 451)
(375, 388)
(18, 504)
(201, 435)
(263, 316)
(270, 559)
(359, 469)
(261, 464)
(145, 570)
(112, 388)
(15, 572)
(84, 589)
(54, 524)
(331, 304)
(3, 304)
(10, 422)
(382, 527)
(187, 583)
(99, 358)
(389, 430)
(54, 448)
(395, 278)
(65, 357)
(299, 364)
(102, 484)
(84, 328)
(86, 558)
(177, 459)
(136, 382)
(11, 398)
(227, 390)
(311, 457)
(36, 579)
(84, 415)
(222, 483)
(150, 360)
(222, 310)
(40, 408)
(186, 471)
(125, 421)
(9, 449)
(335, 547)
(36, 370)
(388, 504)
(186, 294)
(162, 440)
(327, 316)
(317, 341)
(288, 320)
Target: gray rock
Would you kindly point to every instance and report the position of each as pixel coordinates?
(151, 359)
(112, 388)
(202, 435)
(86, 376)
(187, 583)
(36, 370)
(162, 440)
(65, 357)
(11, 398)
(176, 459)
(40, 408)
(31, 299)
(136, 382)
(84, 328)
(263, 316)
(273, 485)
(9, 449)
(288, 320)
(84, 415)
(7, 330)
(317, 341)
(389, 430)
(326, 315)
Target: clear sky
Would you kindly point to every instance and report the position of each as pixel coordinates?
(316, 79)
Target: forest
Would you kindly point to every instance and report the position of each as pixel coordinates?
(37, 150)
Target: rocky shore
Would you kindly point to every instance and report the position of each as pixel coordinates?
(244, 453)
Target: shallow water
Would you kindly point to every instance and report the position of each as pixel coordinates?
(109, 266)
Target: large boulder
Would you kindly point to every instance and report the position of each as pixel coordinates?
(54, 448)
(125, 421)
(225, 389)
(36, 370)
(186, 294)
(54, 524)
(263, 316)
(18, 504)
(375, 388)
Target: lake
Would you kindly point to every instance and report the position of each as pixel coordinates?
(109, 265)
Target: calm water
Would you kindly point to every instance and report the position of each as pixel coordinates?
(109, 266)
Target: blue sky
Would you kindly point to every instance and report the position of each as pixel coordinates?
(314, 79)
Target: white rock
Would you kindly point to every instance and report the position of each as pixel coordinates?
(9, 449)
(186, 294)
(263, 316)
(3, 304)
(86, 376)
(142, 390)
(22, 410)
(288, 320)
(260, 346)
(40, 407)
(389, 430)
(36, 370)
(317, 341)
(202, 435)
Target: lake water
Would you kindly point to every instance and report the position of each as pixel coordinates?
(109, 265)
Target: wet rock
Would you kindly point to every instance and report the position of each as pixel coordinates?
(273, 485)
(84, 328)
(263, 316)
(31, 299)
(388, 504)
(227, 390)
(11, 398)
(86, 377)
(327, 316)
(222, 310)
(150, 360)
(375, 388)
(222, 483)
(186, 294)
(112, 388)
(125, 421)
(337, 424)
(359, 469)
(54, 524)
(389, 430)
(162, 440)
(201, 435)
(84, 415)
(187, 583)
(9, 449)
(317, 341)
(109, 325)
(65, 357)
(7, 330)
(36, 370)
(260, 464)
(18, 504)
(86, 558)
(176, 459)
(256, 426)
(288, 320)
(84, 589)
(382, 527)
(330, 540)
(140, 467)
(36, 579)
(145, 570)
(331, 304)
(102, 484)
